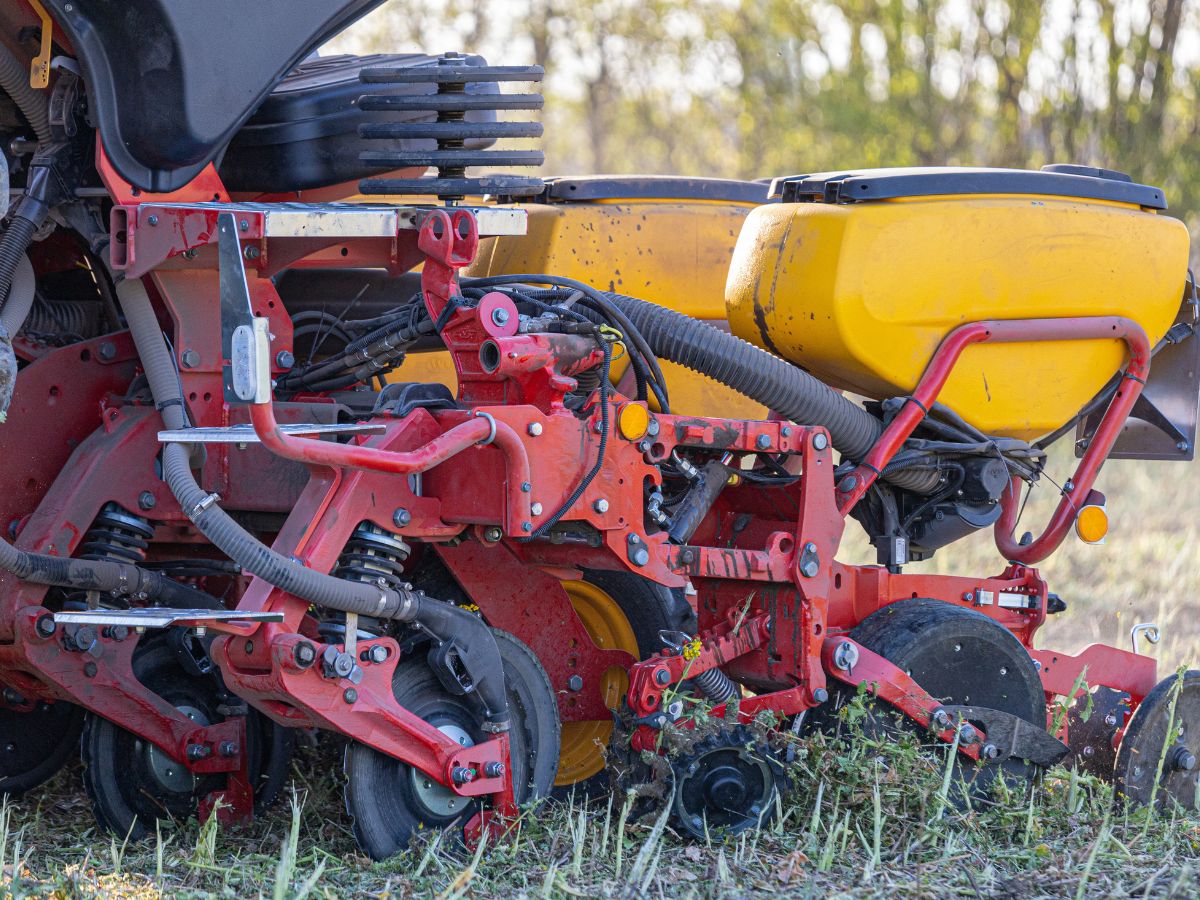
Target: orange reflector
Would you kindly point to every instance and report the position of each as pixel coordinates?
(1092, 524)
(633, 421)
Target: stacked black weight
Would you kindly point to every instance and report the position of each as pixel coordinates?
(451, 131)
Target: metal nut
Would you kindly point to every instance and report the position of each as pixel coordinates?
(575, 683)
(401, 517)
(762, 442)
(600, 506)
(820, 442)
(189, 359)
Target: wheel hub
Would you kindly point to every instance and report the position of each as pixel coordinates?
(437, 798)
(726, 783)
(171, 775)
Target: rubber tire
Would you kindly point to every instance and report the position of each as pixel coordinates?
(380, 797)
(113, 757)
(1148, 728)
(901, 632)
(61, 722)
(650, 608)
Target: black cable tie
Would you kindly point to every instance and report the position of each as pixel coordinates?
(1141, 381)
(174, 401)
(921, 406)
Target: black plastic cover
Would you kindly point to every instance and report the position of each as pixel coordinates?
(653, 187)
(171, 81)
(889, 184)
(305, 134)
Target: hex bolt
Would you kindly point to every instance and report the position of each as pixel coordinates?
(116, 632)
(989, 751)
(108, 350)
(847, 484)
(535, 509)
(527, 526)
(493, 769)
(786, 431)
(243, 225)
(763, 442)
(253, 252)
(228, 748)
(662, 676)
(152, 220)
(967, 733)
(575, 683)
(1182, 760)
(820, 442)
(534, 429)
(189, 359)
(600, 506)
(285, 359)
(376, 653)
(1110, 720)
(1089, 751)
(526, 487)
(401, 517)
(820, 695)
(1183, 446)
(653, 427)
(90, 670)
(146, 500)
(350, 695)
(45, 626)
(12, 698)
(198, 751)
(500, 316)
(639, 556)
(305, 654)
(462, 775)
(492, 533)
(941, 719)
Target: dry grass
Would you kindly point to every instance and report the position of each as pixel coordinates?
(864, 821)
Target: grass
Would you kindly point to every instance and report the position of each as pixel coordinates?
(862, 820)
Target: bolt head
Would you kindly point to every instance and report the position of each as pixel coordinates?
(46, 626)
(492, 533)
(152, 220)
(305, 654)
(500, 316)
(146, 500)
(108, 350)
(820, 442)
(575, 683)
(285, 359)
(1089, 751)
(762, 442)
(526, 487)
(189, 359)
(810, 568)
(252, 252)
(350, 695)
(535, 509)
(1110, 720)
(377, 653)
(527, 527)
(534, 429)
(821, 695)
(662, 676)
(600, 506)
(401, 517)
(967, 734)
(990, 751)
(639, 556)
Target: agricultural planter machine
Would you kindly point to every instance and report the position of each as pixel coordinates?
(302, 438)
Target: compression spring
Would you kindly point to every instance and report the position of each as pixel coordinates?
(117, 535)
(715, 685)
(373, 556)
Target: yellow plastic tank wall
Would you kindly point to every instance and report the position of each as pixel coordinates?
(667, 240)
(861, 293)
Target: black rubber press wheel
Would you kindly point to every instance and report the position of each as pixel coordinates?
(390, 800)
(962, 658)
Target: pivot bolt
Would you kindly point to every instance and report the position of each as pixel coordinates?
(600, 506)
(575, 683)
(639, 556)
(189, 359)
(967, 734)
(845, 656)
(376, 653)
(662, 676)
(284, 359)
(989, 751)
(763, 442)
(305, 654)
(146, 500)
(534, 429)
(941, 719)
(401, 517)
(492, 533)
(228, 748)
(493, 769)
(253, 252)
(198, 751)
(500, 316)
(820, 442)
(821, 695)
(462, 775)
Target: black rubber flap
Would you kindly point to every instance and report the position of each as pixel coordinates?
(889, 184)
(654, 187)
(170, 82)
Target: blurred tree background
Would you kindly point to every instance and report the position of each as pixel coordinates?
(756, 88)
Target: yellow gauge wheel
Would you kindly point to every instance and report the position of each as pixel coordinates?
(583, 743)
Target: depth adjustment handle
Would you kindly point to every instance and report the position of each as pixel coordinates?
(245, 337)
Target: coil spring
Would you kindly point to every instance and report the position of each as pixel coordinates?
(117, 535)
(715, 685)
(373, 556)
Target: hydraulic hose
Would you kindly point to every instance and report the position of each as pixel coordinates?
(14, 78)
(764, 378)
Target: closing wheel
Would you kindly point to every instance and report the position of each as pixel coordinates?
(1157, 761)
(34, 745)
(962, 658)
(621, 611)
(390, 800)
(133, 783)
(726, 783)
